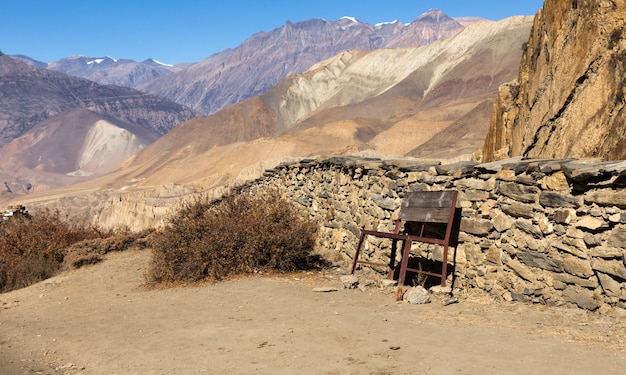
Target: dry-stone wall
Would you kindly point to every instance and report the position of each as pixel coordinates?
(544, 231)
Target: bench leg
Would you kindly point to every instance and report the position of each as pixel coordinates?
(356, 255)
(404, 263)
(392, 259)
(444, 266)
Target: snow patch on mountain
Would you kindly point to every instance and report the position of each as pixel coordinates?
(161, 63)
(381, 24)
(350, 19)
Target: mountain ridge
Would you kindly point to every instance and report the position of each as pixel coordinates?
(261, 61)
(110, 71)
(265, 58)
(296, 38)
(32, 98)
(209, 153)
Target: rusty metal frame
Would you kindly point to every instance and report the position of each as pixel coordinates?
(412, 208)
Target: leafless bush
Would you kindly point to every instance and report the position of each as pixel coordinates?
(239, 234)
(32, 247)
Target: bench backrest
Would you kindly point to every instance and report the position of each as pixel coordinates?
(429, 206)
(426, 217)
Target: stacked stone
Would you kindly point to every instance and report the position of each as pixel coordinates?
(544, 231)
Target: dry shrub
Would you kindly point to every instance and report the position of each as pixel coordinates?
(32, 247)
(237, 235)
(92, 250)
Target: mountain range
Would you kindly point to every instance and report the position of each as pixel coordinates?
(397, 101)
(264, 59)
(48, 120)
(252, 69)
(261, 61)
(110, 71)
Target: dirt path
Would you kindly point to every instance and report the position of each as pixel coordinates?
(101, 320)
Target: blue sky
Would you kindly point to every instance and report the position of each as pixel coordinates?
(174, 31)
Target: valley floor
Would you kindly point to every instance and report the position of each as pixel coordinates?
(101, 319)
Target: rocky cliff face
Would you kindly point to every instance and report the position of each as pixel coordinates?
(569, 98)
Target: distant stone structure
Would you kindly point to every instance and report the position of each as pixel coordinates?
(15, 210)
(544, 231)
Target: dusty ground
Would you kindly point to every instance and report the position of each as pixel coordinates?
(102, 320)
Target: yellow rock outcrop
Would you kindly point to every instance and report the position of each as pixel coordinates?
(569, 98)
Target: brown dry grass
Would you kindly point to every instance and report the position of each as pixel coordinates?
(38, 246)
(33, 247)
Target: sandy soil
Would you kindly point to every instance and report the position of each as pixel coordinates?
(101, 319)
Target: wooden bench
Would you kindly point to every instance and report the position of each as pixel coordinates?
(418, 211)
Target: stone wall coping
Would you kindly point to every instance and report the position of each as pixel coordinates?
(578, 170)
